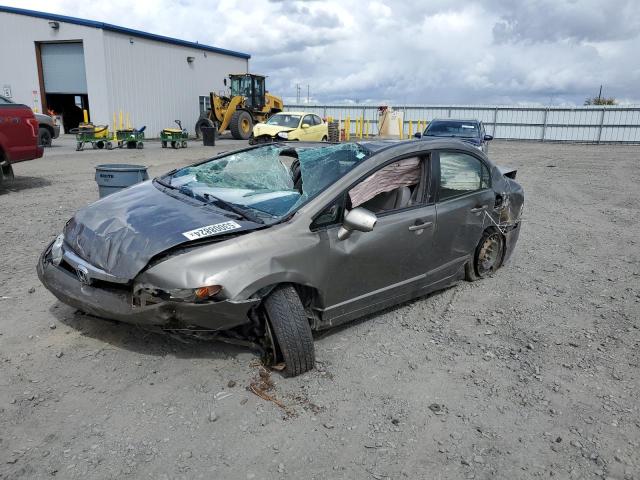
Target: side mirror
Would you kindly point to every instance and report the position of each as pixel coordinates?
(488, 138)
(305, 125)
(358, 219)
(418, 134)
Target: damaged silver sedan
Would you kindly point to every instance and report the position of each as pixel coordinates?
(270, 243)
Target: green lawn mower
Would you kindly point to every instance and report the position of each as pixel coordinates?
(176, 137)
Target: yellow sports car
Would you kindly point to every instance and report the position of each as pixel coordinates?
(287, 126)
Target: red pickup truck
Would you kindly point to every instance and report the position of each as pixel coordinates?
(18, 137)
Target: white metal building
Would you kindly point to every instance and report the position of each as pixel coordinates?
(66, 64)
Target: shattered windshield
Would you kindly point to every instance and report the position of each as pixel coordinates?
(284, 120)
(269, 182)
(452, 129)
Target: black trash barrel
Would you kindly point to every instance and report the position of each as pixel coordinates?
(208, 136)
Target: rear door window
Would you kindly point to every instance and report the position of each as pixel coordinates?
(460, 174)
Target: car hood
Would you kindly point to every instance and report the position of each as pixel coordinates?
(122, 232)
(473, 141)
(264, 129)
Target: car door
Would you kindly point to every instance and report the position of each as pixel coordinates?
(387, 265)
(307, 133)
(463, 196)
(319, 129)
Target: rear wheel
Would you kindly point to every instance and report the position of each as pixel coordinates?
(241, 125)
(487, 257)
(290, 330)
(203, 122)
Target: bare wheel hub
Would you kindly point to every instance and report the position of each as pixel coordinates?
(489, 254)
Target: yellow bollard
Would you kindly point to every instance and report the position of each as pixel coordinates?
(121, 126)
(410, 129)
(400, 129)
(85, 116)
(347, 129)
(367, 129)
(128, 122)
(115, 127)
(361, 126)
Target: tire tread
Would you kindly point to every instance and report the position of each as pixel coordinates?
(291, 329)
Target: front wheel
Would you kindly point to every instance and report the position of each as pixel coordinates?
(487, 257)
(44, 137)
(241, 125)
(290, 330)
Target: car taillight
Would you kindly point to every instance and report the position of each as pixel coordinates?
(33, 123)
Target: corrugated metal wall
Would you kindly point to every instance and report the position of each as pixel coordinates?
(579, 124)
(154, 82)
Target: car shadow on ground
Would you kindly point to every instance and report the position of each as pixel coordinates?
(22, 183)
(156, 342)
(372, 316)
(143, 340)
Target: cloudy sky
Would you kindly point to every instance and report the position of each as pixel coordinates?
(431, 51)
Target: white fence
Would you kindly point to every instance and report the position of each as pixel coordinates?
(597, 124)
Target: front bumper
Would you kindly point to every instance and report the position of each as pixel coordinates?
(117, 303)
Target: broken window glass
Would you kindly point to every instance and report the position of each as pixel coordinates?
(263, 178)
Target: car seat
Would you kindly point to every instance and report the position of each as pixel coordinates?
(393, 200)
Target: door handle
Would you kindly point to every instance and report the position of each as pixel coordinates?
(479, 209)
(422, 226)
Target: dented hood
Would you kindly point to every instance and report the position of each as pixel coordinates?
(122, 232)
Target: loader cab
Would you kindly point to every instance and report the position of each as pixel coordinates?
(251, 87)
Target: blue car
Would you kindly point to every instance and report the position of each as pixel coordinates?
(470, 131)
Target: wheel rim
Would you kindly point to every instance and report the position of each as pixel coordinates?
(270, 343)
(245, 125)
(489, 254)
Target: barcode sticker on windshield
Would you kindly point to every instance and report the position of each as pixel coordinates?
(210, 230)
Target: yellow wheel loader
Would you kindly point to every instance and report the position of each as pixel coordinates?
(248, 103)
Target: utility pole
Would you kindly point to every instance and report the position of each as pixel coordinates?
(307, 93)
(599, 94)
(297, 94)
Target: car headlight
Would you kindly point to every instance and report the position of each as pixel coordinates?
(192, 295)
(283, 134)
(56, 250)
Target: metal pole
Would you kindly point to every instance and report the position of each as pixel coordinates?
(544, 124)
(601, 123)
(495, 121)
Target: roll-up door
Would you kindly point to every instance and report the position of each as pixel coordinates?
(63, 68)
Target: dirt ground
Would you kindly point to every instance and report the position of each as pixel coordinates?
(533, 373)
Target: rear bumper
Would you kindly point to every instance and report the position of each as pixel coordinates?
(511, 238)
(117, 303)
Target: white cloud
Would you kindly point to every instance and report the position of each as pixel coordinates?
(429, 51)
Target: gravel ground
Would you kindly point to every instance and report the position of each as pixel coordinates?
(532, 373)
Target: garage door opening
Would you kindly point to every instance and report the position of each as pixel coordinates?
(63, 81)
